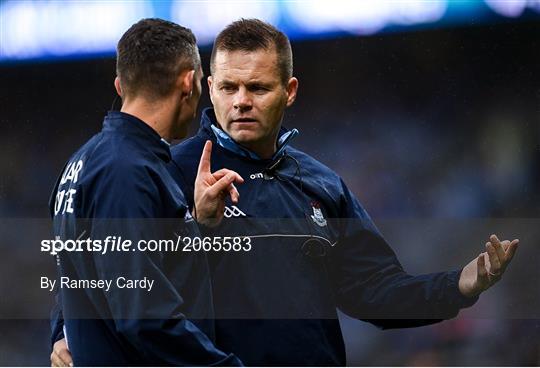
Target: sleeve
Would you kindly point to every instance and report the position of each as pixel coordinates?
(57, 321)
(182, 177)
(56, 317)
(128, 204)
(370, 283)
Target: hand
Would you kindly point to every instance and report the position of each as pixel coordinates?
(482, 272)
(211, 189)
(60, 356)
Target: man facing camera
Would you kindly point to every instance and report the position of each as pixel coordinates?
(313, 246)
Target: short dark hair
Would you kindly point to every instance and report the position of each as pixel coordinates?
(252, 35)
(152, 53)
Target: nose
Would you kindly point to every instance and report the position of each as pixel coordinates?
(242, 100)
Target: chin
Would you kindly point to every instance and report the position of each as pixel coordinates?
(245, 137)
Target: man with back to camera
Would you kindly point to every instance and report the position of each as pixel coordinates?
(276, 304)
(117, 184)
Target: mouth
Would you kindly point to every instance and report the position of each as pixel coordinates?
(244, 121)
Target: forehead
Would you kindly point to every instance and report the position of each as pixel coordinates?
(246, 65)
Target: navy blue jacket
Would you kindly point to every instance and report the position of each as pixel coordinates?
(314, 248)
(117, 184)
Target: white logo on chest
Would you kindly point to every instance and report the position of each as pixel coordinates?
(233, 211)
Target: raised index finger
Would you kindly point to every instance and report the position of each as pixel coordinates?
(204, 163)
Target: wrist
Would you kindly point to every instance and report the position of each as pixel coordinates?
(467, 288)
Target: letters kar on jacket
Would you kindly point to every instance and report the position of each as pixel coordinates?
(117, 184)
(314, 248)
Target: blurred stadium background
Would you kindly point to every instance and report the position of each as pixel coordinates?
(430, 110)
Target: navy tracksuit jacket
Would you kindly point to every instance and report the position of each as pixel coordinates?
(118, 184)
(314, 248)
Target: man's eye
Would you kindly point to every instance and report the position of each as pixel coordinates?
(228, 89)
(259, 89)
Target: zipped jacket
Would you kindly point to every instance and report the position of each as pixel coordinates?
(313, 249)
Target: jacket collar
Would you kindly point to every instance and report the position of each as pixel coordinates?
(210, 129)
(123, 123)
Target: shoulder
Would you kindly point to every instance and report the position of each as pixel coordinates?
(100, 175)
(189, 151)
(120, 182)
(112, 163)
(328, 186)
(185, 160)
(316, 170)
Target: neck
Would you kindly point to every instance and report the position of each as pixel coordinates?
(157, 115)
(263, 151)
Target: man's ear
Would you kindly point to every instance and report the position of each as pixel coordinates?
(292, 89)
(117, 86)
(210, 81)
(186, 83)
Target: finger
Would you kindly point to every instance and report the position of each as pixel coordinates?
(204, 163)
(221, 185)
(61, 353)
(233, 192)
(493, 238)
(512, 250)
(481, 269)
(221, 173)
(505, 244)
(56, 361)
(495, 242)
(63, 358)
(494, 261)
(53, 360)
(66, 357)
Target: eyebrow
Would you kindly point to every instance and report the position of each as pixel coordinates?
(250, 83)
(225, 81)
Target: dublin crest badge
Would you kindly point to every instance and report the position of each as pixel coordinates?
(317, 216)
